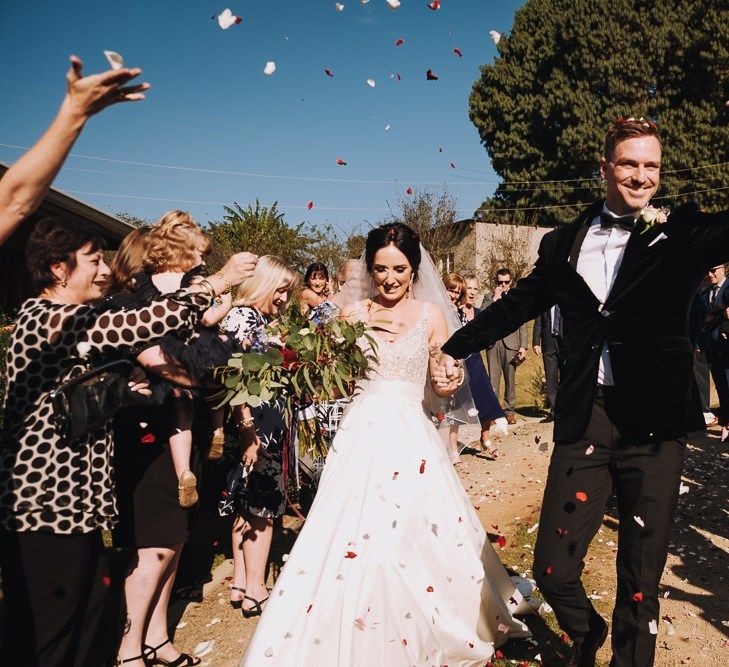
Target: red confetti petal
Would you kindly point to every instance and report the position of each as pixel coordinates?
(458, 52)
(431, 76)
(310, 205)
(399, 42)
(328, 72)
(350, 554)
(148, 439)
(422, 466)
(498, 655)
(410, 191)
(341, 162)
(470, 644)
(106, 581)
(548, 569)
(395, 474)
(562, 531)
(430, 589)
(404, 642)
(501, 541)
(216, 543)
(565, 638)
(638, 597)
(494, 526)
(435, 5)
(581, 496)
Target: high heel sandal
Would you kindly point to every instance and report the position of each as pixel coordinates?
(146, 655)
(217, 445)
(256, 609)
(237, 604)
(489, 449)
(182, 660)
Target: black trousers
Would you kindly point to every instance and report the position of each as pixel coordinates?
(550, 359)
(701, 375)
(645, 477)
(719, 375)
(54, 589)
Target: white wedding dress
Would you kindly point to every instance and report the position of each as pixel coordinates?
(392, 567)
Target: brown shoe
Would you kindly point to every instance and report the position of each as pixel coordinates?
(216, 445)
(511, 418)
(186, 491)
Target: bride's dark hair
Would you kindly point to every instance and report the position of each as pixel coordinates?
(401, 236)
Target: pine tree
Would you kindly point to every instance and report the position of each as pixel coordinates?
(570, 67)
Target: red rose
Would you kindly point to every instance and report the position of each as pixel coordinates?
(289, 358)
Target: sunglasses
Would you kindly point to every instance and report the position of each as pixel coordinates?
(715, 269)
(504, 282)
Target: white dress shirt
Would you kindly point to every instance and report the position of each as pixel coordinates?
(598, 263)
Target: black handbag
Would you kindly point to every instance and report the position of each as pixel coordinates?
(87, 401)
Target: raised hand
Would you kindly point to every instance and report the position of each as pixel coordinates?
(239, 267)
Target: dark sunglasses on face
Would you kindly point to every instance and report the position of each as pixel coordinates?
(504, 282)
(715, 269)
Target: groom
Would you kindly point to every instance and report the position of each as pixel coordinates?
(624, 286)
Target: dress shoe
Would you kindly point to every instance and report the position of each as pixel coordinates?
(511, 418)
(584, 652)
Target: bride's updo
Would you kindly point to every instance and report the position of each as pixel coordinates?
(401, 236)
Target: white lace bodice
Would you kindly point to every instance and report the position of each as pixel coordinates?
(405, 359)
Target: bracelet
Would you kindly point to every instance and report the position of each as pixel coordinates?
(226, 283)
(246, 423)
(463, 378)
(209, 289)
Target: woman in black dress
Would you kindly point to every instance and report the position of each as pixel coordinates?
(151, 519)
(255, 492)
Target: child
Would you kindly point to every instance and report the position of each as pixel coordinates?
(176, 247)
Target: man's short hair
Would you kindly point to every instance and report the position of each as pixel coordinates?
(503, 272)
(627, 128)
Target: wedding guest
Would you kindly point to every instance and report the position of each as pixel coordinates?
(702, 373)
(484, 397)
(256, 491)
(27, 181)
(545, 343)
(346, 272)
(624, 275)
(316, 289)
(57, 496)
(507, 353)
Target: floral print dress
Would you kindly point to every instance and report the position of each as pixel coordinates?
(259, 491)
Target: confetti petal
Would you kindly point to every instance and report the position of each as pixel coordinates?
(496, 36)
(435, 5)
(431, 76)
(562, 531)
(653, 627)
(409, 191)
(548, 569)
(270, 68)
(371, 83)
(581, 496)
(328, 72)
(268, 652)
(394, 4)
(453, 165)
(501, 541)
(226, 18)
(430, 589)
(339, 6)
(106, 581)
(458, 52)
(589, 450)
(387, 127)
(115, 60)
(639, 521)
(399, 42)
(309, 205)
(422, 466)
(341, 162)
(350, 554)
(683, 488)
(203, 648)
(638, 597)
(148, 439)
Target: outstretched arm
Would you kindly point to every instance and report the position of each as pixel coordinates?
(519, 305)
(24, 185)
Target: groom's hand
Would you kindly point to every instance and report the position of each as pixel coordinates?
(449, 365)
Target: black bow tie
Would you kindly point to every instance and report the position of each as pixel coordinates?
(627, 222)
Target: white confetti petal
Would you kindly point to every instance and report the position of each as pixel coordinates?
(387, 127)
(639, 521)
(115, 62)
(181, 625)
(589, 450)
(533, 528)
(268, 652)
(496, 36)
(653, 627)
(394, 4)
(339, 6)
(683, 488)
(371, 83)
(270, 68)
(203, 648)
(227, 19)
(213, 621)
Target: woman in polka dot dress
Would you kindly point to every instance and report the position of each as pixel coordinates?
(57, 496)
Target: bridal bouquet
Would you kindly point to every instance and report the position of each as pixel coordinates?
(299, 361)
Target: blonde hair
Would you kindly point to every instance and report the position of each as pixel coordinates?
(129, 259)
(173, 241)
(452, 280)
(345, 269)
(271, 272)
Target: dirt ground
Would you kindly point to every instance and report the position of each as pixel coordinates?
(694, 624)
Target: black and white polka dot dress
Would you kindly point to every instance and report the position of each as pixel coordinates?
(47, 484)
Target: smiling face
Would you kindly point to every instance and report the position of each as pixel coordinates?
(276, 304)
(391, 272)
(632, 174)
(317, 282)
(87, 281)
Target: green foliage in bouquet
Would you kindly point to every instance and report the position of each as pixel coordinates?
(299, 361)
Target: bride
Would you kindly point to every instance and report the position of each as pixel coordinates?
(392, 566)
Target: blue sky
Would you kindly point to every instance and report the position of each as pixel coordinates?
(213, 109)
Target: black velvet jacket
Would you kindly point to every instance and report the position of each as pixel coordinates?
(644, 321)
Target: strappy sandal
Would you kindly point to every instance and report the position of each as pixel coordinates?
(182, 660)
(489, 449)
(186, 491)
(147, 655)
(257, 608)
(237, 604)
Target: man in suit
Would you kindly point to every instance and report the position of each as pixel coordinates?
(545, 343)
(624, 280)
(714, 294)
(505, 354)
(702, 373)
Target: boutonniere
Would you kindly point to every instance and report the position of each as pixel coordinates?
(652, 216)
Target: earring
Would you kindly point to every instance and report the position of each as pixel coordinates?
(410, 286)
(64, 283)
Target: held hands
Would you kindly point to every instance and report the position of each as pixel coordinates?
(87, 95)
(447, 376)
(239, 267)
